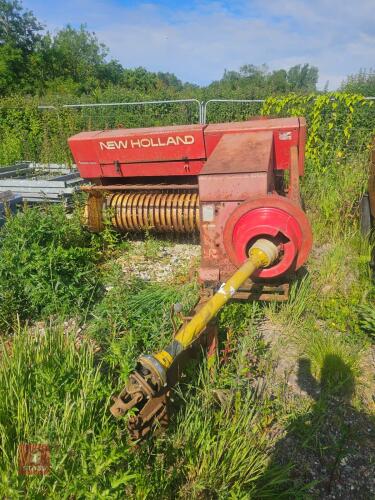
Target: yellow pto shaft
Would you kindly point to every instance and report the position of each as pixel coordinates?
(262, 254)
(147, 390)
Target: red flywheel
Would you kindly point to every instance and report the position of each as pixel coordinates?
(274, 217)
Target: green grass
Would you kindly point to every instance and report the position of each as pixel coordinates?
(53, 392)
(135, 317)
(328, 324)
(333, 364)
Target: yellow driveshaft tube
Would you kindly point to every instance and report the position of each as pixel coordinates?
(262, 254)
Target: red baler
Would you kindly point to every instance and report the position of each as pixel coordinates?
(235, 183)
(232, 182)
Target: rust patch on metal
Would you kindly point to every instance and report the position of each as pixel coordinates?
(241, 153)
(294, 191)
(94, 211)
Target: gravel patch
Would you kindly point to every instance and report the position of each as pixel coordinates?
(165, 263)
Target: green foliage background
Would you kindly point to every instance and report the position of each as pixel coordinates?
(73, 66)
(338, 122)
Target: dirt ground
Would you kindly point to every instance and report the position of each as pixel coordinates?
(330, 443)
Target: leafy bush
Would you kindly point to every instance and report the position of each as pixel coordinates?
(47, 265)
(339, 123)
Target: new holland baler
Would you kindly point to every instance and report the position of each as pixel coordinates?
(237, 184)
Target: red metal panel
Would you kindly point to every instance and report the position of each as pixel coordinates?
(237, 187)
(140, 145)
(215, 262)
(285, 132)
(152, 169)
(284, 140)
(241, 152)
(115, 150)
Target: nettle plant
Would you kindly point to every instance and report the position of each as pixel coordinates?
(338, 123)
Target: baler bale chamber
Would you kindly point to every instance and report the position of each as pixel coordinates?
(231, 182)
(237, 184)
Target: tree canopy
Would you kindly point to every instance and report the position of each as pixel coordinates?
(18, 27)
(20, 31)
(73, 61)
(259, 81)
(362, 82)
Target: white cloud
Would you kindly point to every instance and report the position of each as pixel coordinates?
(197, 44)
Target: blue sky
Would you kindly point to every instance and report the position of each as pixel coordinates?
(197, 40)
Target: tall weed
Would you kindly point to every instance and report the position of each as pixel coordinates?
(134, 317)
(53, 393)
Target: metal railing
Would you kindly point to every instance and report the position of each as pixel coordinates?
(206, 104)
(69, 119)
(112, 105)
(201, 108)
(250, 103)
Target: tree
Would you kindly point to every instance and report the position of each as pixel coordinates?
(140, 79)
(249, 82)
(170, 80)
(258, 81)
(74, 61)
(278, 81)
(251, 71)
(362, 82)
(11, 63)
(303, 77)
(75, 56)
(18, 27)
(19, 34)
(110, 72)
